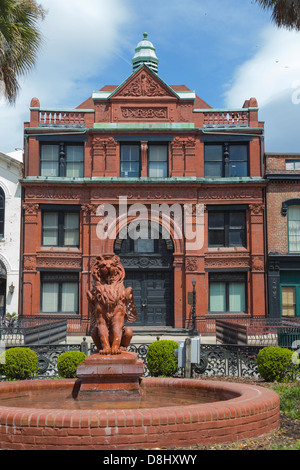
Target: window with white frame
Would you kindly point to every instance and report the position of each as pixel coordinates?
(294, 228)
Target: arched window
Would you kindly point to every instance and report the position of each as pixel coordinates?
(2, 212)
(294, 228)
(291, 209)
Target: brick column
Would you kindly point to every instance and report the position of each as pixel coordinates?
(179, 291)
(144, 158)
(257, 285)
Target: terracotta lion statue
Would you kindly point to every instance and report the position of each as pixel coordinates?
(110, 305)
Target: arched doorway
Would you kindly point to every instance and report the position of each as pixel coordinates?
(148, 263)
(3, 276)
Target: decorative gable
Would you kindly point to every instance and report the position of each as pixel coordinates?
(143, 97)
(144, 83)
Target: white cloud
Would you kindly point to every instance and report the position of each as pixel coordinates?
(272, 76)
(271, 71)
(80, 40)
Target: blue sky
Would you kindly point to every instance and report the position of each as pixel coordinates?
(225, 50)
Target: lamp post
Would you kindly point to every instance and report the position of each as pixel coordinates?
(194, 330)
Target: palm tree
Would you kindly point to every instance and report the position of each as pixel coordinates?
(20, 40)
(285, 12)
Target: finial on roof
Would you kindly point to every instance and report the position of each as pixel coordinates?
(145, 54)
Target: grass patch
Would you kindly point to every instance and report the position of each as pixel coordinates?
(289, 399)
(295, 446)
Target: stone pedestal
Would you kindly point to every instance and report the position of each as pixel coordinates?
(112, 375)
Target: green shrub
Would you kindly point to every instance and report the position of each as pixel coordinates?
(161, 358)
(275, 364)
(68, 362)
(18, 363)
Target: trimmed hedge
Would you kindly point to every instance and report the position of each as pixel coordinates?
(276, 364)
(68, 362)
(161, 358)
(18, 363)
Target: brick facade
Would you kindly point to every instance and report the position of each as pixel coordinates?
(145, 111)
(283, 193)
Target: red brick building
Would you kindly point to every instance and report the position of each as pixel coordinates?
(152, 144)
(283, 234)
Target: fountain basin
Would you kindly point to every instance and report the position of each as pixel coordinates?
(234, 412)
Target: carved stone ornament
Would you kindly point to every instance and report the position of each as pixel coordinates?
(59, 260)
(29, 263)
(143, 262)
(191, 264)
(144, 113)
(55, 193)
(143, 85)
(227, 261)
(231, 194)
(30, 209)
(88, 210)
(258, 263)
(256, 209)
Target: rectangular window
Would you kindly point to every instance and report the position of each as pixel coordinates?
(158, 161)
(74, 161)
(226, 228)
(130, 160)
(214, 160)
(49, 160)
(292, 165)
(62, 160)
(288, 301)
(294, 228)
(60, 228)
(59, 293)
(226, 160)
(227, 293)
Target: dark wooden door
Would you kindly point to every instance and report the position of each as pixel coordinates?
(153, 296)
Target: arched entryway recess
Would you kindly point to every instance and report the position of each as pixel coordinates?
(148, 263)
(154, 269)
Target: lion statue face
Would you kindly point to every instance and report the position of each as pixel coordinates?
(108, 270)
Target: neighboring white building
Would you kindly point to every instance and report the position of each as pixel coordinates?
(11, 171)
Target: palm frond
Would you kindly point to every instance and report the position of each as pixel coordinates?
(20, 41)
(285, 13)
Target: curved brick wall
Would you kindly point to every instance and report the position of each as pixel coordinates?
(249, 411)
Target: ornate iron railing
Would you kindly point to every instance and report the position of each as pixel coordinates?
(230, 360)
(214, 359)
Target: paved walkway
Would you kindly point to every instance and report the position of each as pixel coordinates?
(147, 338)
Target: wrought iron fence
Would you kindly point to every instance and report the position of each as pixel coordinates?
(214, 359)
(233, 360)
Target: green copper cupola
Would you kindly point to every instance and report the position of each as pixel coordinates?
(145, 54)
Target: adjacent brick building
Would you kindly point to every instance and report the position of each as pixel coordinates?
(148, 143)
(283, 234)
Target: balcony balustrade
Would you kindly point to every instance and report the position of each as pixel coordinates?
(225, 118)
(51, 118)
